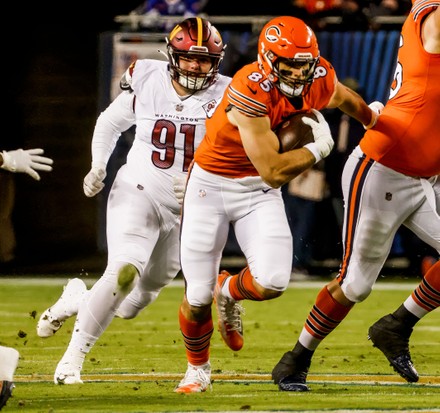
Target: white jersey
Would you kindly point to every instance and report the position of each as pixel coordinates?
(143, 214)
(169, 128)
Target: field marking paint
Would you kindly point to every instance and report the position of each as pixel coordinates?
(336, 411)
(359, 379)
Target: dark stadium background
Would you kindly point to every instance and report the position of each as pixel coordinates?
(50, 66)
(51, 77)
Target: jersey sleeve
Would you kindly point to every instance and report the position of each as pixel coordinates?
(245, 93)
(117, 118)
(127, 78)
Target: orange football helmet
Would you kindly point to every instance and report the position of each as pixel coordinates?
(288, 39)
(194, 36)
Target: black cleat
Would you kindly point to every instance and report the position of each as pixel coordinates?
(294, 382)
(391, 337)
(291, 372)
(6, 388)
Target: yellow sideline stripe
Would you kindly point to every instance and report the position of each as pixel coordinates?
(330, 378)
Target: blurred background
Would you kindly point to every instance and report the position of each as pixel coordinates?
(52, 86)
(61, 63)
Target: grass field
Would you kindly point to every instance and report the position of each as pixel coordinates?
(136, 363)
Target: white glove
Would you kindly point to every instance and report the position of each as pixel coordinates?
(28, 161)
(324, 143)
(179, 186)
(376, 110)
(93, 180)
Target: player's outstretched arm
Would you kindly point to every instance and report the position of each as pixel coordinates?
(28, 161)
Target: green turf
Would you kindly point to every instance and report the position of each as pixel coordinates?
(136, 363)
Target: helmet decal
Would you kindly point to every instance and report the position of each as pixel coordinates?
(273, 35)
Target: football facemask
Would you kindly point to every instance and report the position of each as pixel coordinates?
(291, 86)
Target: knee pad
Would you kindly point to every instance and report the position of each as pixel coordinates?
(356, 291)
(199, 296)
(277, 282)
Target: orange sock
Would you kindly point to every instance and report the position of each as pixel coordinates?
(241, 286)
(197, 338)
(427, 294)
(325, 315)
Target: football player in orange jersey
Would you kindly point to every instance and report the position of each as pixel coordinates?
(236, 178)
(389, 180)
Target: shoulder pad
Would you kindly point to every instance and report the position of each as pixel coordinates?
(126, 79)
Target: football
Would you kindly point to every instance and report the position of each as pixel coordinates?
(293, 133)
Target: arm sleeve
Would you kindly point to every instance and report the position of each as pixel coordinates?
(117, 118)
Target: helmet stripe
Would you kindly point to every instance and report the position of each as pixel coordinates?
(199, 31)
(175, 31)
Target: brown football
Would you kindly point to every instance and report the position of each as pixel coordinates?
(293, 133)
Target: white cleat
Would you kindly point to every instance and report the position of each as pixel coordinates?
(66, 373)
(53, 318)
(197, 379)
(229, 314)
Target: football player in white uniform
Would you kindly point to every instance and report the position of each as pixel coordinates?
(168, 102)
(8, 364)
(28, 161)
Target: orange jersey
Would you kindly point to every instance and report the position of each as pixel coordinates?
(221, 151)
(406, 137)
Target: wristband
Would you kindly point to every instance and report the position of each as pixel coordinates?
(374, 117)
(314, 149)
(8, 163)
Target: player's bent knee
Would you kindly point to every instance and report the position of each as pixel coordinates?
(356, 292)
(126, 277)
(197, 296)
(275, 284)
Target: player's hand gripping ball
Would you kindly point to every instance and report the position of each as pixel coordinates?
(293, 133)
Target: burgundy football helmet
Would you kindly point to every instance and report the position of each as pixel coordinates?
(194, 36)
